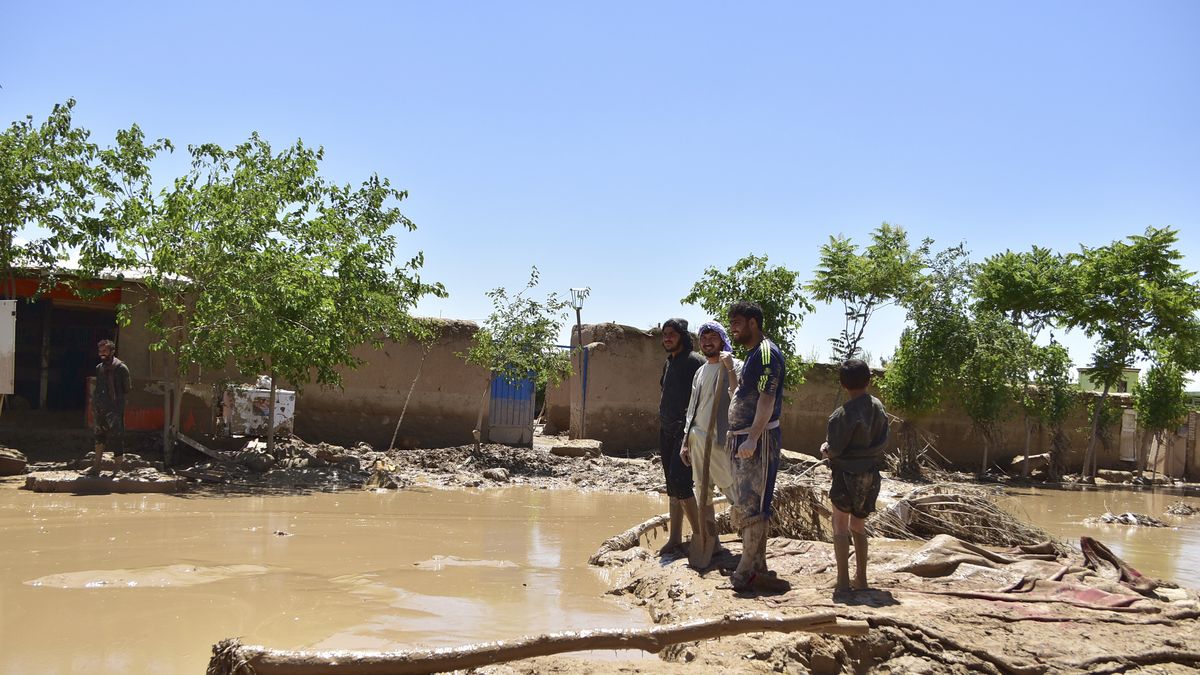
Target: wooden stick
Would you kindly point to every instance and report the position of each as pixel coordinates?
(230, 657)
(197, 445)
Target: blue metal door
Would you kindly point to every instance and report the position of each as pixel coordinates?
(510, 414)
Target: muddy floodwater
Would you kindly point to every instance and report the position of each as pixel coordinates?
(1171, 553)
(147, 583)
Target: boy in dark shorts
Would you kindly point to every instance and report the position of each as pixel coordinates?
(854, 444)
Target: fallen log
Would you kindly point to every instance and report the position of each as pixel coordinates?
(230, 657)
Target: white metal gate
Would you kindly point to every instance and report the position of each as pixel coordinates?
(8, 345)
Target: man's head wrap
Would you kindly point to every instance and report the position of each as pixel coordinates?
(680, 326)
(717, 328)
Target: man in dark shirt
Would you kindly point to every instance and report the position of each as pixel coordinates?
(113, 384)
(755, 441)
(676, 382)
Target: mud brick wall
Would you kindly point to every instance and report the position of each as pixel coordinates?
(624, 365)
(442, 411)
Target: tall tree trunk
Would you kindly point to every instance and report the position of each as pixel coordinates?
(1089, 457)
(271, 419)
(1058, 445)
(910, 463)
(983, 467)
(1025, 471)
(177, 386)
(478, 431)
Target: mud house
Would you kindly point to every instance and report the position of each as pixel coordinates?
(1129, 380)
(53, 352)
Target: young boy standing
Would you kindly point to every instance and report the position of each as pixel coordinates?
(854, 445)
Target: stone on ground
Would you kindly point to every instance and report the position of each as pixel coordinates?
(580, 447)
(12, 462)
(142, 480)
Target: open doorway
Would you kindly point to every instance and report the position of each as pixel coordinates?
(56, 352)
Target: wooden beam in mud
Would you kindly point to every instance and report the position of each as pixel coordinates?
(230, 657)
(197, 445)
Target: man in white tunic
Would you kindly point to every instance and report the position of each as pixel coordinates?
(713, 378)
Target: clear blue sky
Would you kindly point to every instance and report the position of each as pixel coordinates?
(627, 146)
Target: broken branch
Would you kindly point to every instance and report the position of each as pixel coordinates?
(230, 657)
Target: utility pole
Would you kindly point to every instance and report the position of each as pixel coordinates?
(577, 297)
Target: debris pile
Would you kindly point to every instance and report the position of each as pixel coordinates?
(1136, 519)
(967, 512)
(1182, 509)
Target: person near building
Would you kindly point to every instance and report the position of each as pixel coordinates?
(113, 385)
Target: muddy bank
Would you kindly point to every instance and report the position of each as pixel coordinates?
(936, 607)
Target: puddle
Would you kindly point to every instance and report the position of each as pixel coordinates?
(147, 583)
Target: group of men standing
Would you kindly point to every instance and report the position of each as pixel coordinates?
(743, 455)
(719, 425)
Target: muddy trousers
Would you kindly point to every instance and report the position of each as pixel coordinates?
(109, 428)
(753, 485)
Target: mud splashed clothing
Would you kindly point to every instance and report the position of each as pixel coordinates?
(856, 438)
(676, 382)
(710, 380)
(754, 476)
(762, 373)
(113, 384)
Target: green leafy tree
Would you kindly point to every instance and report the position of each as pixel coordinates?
(1051, 399)
(775, 288)
(1130, 296)
(253, 259)
(519, 340)
(1028, 288)
(932, 349)
(994, 375)
(883, 273)
(50, 187)
(1161, 402)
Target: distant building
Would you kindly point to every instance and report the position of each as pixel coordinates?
(1129, 379)
(1193, 398)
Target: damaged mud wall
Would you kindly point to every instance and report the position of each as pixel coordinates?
(624, 365)
(441, 412)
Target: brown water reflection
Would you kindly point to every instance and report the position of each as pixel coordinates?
(147, 583)
(1170, 553)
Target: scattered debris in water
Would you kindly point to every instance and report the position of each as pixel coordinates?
(1128, 518)
(1181, 508)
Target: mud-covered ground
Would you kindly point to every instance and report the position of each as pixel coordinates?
(295, 464)
(918, 624)
(978, 615)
